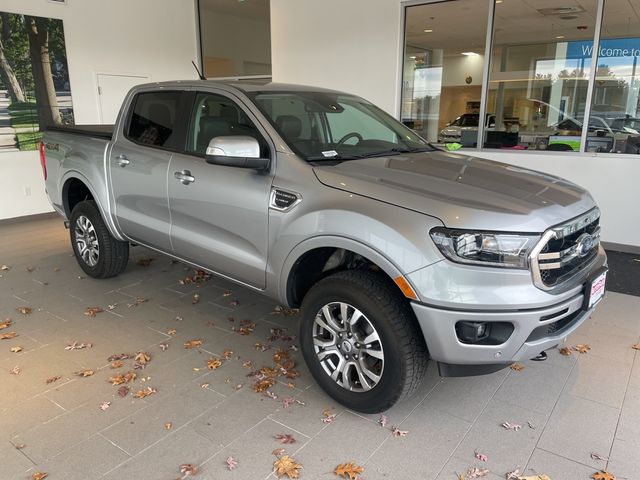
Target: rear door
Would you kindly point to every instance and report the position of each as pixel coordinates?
(220, 219)
(138, 166)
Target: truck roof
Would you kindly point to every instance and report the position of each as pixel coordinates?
(244, 86)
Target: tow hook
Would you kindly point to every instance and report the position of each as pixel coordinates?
(541, 357)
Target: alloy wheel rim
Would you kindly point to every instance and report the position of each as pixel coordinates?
(87, 241)
(348, 347)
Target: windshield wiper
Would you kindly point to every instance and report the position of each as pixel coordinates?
(335, 158)
(398, 151)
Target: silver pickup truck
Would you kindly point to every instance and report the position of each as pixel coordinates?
(396, 252)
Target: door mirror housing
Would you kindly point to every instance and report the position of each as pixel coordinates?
(240, 151)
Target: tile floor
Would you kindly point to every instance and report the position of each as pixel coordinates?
(576, 405)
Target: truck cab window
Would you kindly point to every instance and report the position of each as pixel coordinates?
(153, 118)
(218, 116)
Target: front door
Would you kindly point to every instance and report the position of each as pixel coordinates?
(220, 219)
(138, 168)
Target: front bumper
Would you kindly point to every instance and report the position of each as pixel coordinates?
(535, 331)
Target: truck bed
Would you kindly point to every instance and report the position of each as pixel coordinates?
(96, 131)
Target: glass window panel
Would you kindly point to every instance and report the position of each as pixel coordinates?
(236, 38)
(614, 125)
(539, 74)
(443, 64)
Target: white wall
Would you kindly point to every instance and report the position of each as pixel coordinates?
(354, 46)
(156, 38)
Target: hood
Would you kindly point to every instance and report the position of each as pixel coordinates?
(462, 191)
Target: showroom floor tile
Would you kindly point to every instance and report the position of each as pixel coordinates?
(575, 412)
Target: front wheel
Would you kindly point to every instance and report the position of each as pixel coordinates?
(99, 254)
(361, 342)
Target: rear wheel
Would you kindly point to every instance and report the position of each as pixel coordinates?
(99, 254)
(361, 342)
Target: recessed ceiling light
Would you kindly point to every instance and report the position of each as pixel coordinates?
(559, 37)
(428, 30)
(498, 1)
(470, 54)
(412, 57)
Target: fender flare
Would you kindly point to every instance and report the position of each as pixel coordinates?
(108, 220)
(332, 241)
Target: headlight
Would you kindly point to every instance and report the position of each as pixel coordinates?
(509, 250)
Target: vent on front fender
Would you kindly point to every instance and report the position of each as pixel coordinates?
(284, 200)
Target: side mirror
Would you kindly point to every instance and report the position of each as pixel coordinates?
(240, 151)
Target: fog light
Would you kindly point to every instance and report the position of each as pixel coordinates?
(472, 332)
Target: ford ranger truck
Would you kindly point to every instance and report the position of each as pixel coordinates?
(396, 252)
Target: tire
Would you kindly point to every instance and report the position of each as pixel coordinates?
(384, 313)
(104, 256)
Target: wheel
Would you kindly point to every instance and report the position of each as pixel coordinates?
(361, 342)
(99, 254)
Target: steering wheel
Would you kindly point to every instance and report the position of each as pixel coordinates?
(348, 136)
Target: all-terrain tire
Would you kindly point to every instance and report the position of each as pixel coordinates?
(389, 315)
(107, 256)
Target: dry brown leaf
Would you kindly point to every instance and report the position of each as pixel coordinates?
(142, 358)
(105, 405)
(597, 456)
(172, 331)
(635, 347)
(120, 378)
(277, 452)
(187, 469)
(196, 343)
(85, 373)
(480, 456)
(24, 310)
(566, 351)
(262, 385)
(396, 432)
(383, 420)
(475, 472)
(6, 323)
(285, 438)
(213, 363)
(163, 346)
(513, 474)
(516, 367)
(603, 475)
(232, 463)
(168, 425)
(92, 311)
(348, 470)
(286, 465)
(205, 385)
(7, 336)
(511, 426)
(144, 261)
(39, 476)
(78, 346)
(137, 301)
(15, 349)
(145, 392)
(582, 348)
(120, 356)
(15, 370)
(227, 354)
(53, 379)
(116, 364)
(123, 391)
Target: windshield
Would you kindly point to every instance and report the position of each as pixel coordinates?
(328, 126)
(466, 120)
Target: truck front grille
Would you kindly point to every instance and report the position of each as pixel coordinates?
(566, 250)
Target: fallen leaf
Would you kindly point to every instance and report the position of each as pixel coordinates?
(285, 438)
(121, 356)
(246, 327)
(7, 336)
(227, 354)
(196, 343)
(39, 476)
(105, 405)
(248, 364)
(234, 303)
(187, 469)
(20, 446)
(286, 465)
(15, 349)
(116, 364)
(15, 370)
(137, 301)
(329, 416)
(196, 298)
(24, 310)
(348, 470)
(85, 373)
(168, 425)
(531, 425)
(232, 463)
(566, 351)
(582, 348)
(213, 363)
(123, 391)
(516, 367)
(205, 385)
(270, 394)
(263, 385)
(78, 346)
(396, 432)
(513, 474)
(145, 392)
(120, 378)
(277, 452)
(596, 456)
(475, 472)
(53, 379)
(92, 311)
(383, 420)
(511, 426)
(6, 323)
(603, 475)
(163, 346)
(280, 310)
(287, 401)
(5, 268)
(144, 261)
(480, 456)
(635, 347)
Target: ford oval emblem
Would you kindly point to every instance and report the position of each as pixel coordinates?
(585, 245)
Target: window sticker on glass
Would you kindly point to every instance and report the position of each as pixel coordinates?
(330, 153)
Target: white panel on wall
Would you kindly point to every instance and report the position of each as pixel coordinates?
(112, 88)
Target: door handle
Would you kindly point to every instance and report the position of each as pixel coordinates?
(122, 160)
(185, 177)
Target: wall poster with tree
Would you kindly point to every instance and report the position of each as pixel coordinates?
(34, 80)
